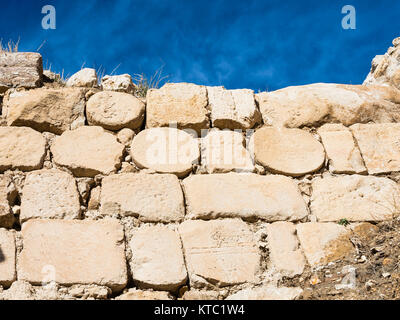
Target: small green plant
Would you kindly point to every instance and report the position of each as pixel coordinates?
(344, 222)
(11, 46)
(144, 84)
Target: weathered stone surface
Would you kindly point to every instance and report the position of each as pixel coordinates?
(292, 152)
(385, 68)
(20, 69)
(73, 252)
(49, 194)
(125, 136)
(248, 196)
(7, 258)
(94, 200)
(379, 145)
(115, 111)
(84, 78)
(193, 295)
(324, 242)
(88, 151)
(18, 291)
(145, 295)
(315, 104)
(355, 198)
(286, 256)
(221, 252)
(233, 109)
(165, 150)
(224, 151)
(120, 83)
(8, 194)
(21, 148)
(151, 198)
(157, 258)
(343, 154)
(267, 293)
(51, 110)
(183, 104)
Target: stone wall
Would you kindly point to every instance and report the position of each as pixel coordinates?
(193, 192)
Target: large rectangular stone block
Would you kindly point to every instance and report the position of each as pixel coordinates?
(379, 145)
(157, 258)
(21, 148)
(233, 109)
(73, 252)
(343, 153)
(220, 252)
(151, 198)
(50, 110)
(324, 242)
(355, 198)
(50, 194)
(181, 104)
(248, 196)
(20, 69)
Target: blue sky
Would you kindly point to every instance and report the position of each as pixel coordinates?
(258, 44)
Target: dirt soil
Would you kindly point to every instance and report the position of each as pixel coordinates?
(376, 263)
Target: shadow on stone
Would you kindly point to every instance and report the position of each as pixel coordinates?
(2, 257)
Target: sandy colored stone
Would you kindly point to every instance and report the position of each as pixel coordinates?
(324, 242)
(165, 150)
(150, 197)
(125, 136)
(8, 194)
(224, 151)
(379, 145)
(385, 68)
(220, 252)
(145, 295)
(74, 252)
(285, 256)
(248, 196)
(267, 293)
(94, 200)
(51, 110)
(233, 109)
(115, 111)
(292, 152)
(316, 104)
(21, 148)
(119, 83)
(183, 104)
(193, 295)
(157, 259)
(20, 69)
(50, 194)
(88, 151)
(7, 258)
(355, 198)
(84, 78)
(19, 291)
(342, 152)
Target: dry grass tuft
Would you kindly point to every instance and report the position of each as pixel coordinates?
(144, 84)
(11, 46)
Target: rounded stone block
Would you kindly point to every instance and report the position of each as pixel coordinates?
(292, 152)
(115, 111)
(165, 150)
